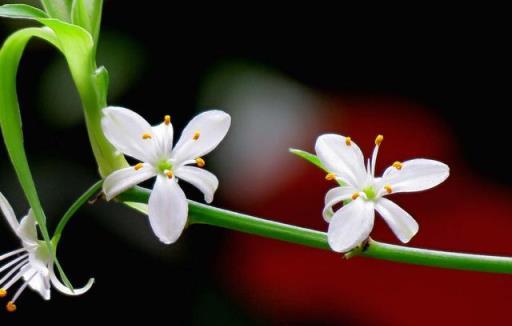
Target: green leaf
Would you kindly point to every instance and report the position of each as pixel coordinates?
(139, 207)
(21, 11)
(60, 9)
(311, 158)
(10, 119)
(76, 45)
(102, 81)
(87, 14)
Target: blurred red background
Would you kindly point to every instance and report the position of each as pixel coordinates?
(466, 213)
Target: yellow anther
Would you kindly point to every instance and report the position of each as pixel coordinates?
(196, 135)
(397, 165)
(146, 136)
(169, 174)
(167, 119)
(388, 189)
(11, 307)
(330, 176)
(138, 166)
(355, 195)
(348, 141)
(379, 139)
(200, 162)
(3, 293)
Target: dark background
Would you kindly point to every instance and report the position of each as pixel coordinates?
(455, 68)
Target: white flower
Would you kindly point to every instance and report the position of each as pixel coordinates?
(32, 262)
(134, 136)
(352, 224)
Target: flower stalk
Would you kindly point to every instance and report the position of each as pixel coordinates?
(204, 214)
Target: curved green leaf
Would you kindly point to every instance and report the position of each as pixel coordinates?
(311, 158)
(87, 14)
(60, 9)
(21, 11)
(76, 44)
(10, 120)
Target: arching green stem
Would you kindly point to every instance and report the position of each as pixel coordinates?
(204, 214)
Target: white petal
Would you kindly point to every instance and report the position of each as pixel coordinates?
(346, 161)
(351, 225)
(124, 129)
(163, 134)
(336, 196)
(8, 213)
(212, 127)
(40, 282)
(27, 231)
(39, 259)
(203, 180)
(403, 225)
(124, 179)
(168, 209)
(415, 175)
(67, 291)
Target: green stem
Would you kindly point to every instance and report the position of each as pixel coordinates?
(107, 157)
(94, 189)
(204, 214)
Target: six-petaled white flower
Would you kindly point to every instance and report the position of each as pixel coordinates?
(32, 262)
(135, 137)
(351, 225)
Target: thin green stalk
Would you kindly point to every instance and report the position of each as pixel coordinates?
(204, 214)
(94, 189)
(437, 258)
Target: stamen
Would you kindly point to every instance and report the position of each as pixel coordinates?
(146, 136)
(12, 271)
(388, 189)
(3, 293)
(200, 162)
(379, 140)
(11, 307)
(138, 166)
(15, 278)
(348, 141)
(196, 135)
(355, 195)
(330, 176)
(167, 119)
(169, 174)
(9, 254)
(12, 262)
(22, 288)
(397, 165)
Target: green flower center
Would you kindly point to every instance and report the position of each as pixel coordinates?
(163, 165)
(370, 193)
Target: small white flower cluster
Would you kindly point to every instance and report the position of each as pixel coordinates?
(32, 263)
(361, 192)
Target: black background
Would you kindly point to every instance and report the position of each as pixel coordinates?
(455, 63)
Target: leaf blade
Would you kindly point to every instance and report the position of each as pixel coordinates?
(311, 158)
(87, 14)
(60, 9)
(22, 11)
